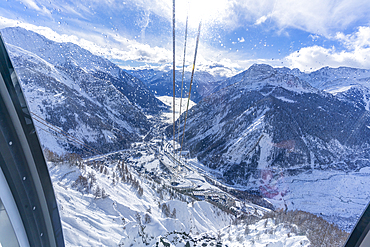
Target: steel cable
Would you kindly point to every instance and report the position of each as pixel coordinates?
(191, 82)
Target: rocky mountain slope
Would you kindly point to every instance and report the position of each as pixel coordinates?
(348, 83)
(84, 95)
(270, 120)
(329, 79)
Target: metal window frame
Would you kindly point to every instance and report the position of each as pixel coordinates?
(360, 235)
(23, 164)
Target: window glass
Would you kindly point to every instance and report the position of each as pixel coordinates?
(260, 135)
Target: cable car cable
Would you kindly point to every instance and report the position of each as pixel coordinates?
(90, 150)
(62, 132)
(68, 140)
(173, 75)
(183, 73)
(191, 82)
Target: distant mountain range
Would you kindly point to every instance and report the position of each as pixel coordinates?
(160, 82)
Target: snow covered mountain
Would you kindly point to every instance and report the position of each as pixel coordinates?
(330, 78)
(71, 56)
(349, 84)
(85, 96)
(267, 128)
(278, 120)
(160, 82)
(253, 134)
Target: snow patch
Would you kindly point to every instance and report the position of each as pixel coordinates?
(286, 100)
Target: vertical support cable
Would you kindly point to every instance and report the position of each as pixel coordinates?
(183, 74)
(191, 82)
(173, 75)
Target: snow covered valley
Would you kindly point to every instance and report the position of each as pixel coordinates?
(336, 196)
(167, 117)
(271, 161)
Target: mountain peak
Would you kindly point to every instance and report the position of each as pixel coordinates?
(261, 66)
(260, 69)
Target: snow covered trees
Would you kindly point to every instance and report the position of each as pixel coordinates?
(317, 230)
(166, 210)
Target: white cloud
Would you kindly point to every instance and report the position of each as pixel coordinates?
(357, 40)
(314, 37)
(124, 49)
(33, 5)
(315, 16)
(356, 53)
(241, 40)
(261, 20)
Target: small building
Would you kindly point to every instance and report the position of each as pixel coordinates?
(185, 154)
(199, 195)
(213, 196)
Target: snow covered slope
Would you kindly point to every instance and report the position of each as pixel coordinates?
(73, 101)
(268, 128)
(106, 202)
(91, 221)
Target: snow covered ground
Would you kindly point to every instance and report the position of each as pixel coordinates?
(90, 221)
(168, 116)
(122, 216)
(336, 196)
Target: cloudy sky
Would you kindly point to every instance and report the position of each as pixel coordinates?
(235, 33)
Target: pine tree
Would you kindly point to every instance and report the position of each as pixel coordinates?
(173, 215)
(147, 219)
(140, 191)
(98, 192)
(103, 193)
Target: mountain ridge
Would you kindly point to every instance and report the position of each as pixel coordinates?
(70, 55)
(71, 97)
(279, 99)
(160, 82)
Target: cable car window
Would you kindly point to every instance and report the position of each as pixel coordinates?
(190, 123)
